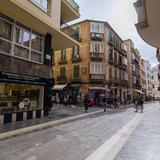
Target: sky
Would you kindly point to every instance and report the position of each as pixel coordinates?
(121, 15)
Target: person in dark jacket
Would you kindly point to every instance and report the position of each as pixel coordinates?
(141, 102)
(86, 102)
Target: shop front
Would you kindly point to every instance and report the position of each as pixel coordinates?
(23, 97)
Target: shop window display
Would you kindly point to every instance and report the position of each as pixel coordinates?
(20, 97)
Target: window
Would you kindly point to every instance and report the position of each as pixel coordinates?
(97, 27)
(77, 32)
(97, 47)
(62, 71)
(13, 94)
(110, 54)
(22, 37)
(43, 4)
(97, 68)
(6, 30)
(63, 55)
(75, 54)
(120, 75)
(110, 73)
(115, 74)
(25, 44)
(115, 57)
(76, 72)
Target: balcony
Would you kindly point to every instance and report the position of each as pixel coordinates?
(134, 73)
(76, 59)
(118, 48)
(136, 86)
(97, 56)
(123, 66)
(62, 79)
(63, 62)
(97, 78)
(29, 15)
(116, 63)
(158, 55)
(71, 32)
(76, 80)
(69, 10)
(113, 81)
(148, 25)
(97, 36)
(110, 61)
(124, 82)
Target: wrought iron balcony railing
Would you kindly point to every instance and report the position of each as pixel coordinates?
(97, 36)
(62, 79)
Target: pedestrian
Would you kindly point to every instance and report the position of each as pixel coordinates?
(86, 102)
(66, 97)
(136, 103)
(141, 103)
(125, 102)
(57, 100)
(104, 100)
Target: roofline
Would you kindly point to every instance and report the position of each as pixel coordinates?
(105, 22)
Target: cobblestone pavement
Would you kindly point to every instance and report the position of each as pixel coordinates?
(77, 140)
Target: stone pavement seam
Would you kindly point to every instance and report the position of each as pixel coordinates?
(44, 125)
(111, 147)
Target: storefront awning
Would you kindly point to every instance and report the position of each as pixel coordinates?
(59, 87)
(139, 91)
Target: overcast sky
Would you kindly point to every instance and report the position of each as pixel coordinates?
(121, 15)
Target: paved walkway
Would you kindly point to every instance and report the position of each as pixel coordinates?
(70, 141)
(58, 112)
(115, 135)
(144, 144)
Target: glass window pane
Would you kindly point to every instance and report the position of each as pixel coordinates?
(21, 52)
(36, 43)
(5, 46)
(5, 30)
(42, 4)
(19, 33)
(45, 4)
(26, 38)
(20, 97)
(22, 37)
(35, 56)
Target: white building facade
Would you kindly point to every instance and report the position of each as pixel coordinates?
(148, 71)
(156, 81)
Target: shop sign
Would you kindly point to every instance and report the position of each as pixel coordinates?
(18, 76)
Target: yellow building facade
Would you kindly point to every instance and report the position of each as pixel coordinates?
(100, 63)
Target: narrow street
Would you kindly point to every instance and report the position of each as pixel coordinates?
(79, 139)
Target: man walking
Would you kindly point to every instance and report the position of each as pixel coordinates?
(141, 102)
(86, 102)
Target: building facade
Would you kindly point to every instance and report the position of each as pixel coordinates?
(134, 71)
(148, 70)
(100, 63)
(143, 78)
(27, 39)
(156, 81)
